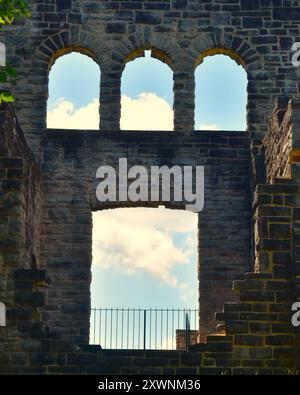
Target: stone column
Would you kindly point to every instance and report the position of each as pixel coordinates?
(184, 101)
(110, 101)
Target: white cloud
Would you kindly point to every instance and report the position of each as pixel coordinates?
(65, 116)
(145, 243)
(147, 112)
(207, 126)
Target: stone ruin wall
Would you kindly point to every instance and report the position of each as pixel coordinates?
(46, 287)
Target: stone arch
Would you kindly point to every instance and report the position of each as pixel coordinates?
(155, 53)
(67, 41)
(2, 54)
(49, 50)
(223, 44)
(164, 47)
(240, 51)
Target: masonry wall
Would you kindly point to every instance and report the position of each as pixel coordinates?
(44, 328)
(257, 34)
(281, 143)
(259, 336)
(71, 159)
(20, 207)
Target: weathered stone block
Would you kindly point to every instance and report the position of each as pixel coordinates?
(248, 340)
(147, 17)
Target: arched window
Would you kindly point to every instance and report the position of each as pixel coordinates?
(2, 55)
(147, 95)
(221, 94)
(73, 102)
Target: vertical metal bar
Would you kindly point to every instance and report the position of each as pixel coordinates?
(117, 321)
(150, 329)
(173, 334)
(167, 330)
(94, 323)
(100, 324)
(122, 327)
(105, 327)
(133, 332)
(187, 331)
(139, 330)
(161, 329)
(128, 313)
(145, 323)
(178, 320)
(111, 327)
(155, 328)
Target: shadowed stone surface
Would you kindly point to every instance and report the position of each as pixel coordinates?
(251, 219)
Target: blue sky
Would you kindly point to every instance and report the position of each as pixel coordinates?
(156, 259)
(221, 97)
(220, 91)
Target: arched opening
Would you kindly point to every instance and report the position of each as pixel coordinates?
(2, 55)
(147, 93)
(144, 277)
(73, 101)
(221, 93)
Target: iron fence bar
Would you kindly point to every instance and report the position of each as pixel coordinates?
(94, 312)
(111, 327)
(122, 327)
(173, 328)
(133, 329)
(167, 330)
(139, 330)
(145, 322)
(116, 329)
(150, 329)
(105, 331)
(160, 327)
(100, 318)
(187, 331)
(178, 319)
(127, 328)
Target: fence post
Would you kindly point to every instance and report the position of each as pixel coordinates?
(187, 332)
(145, 323)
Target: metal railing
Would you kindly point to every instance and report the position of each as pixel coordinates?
(143, 329)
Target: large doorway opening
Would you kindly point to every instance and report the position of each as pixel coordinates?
(144, 289)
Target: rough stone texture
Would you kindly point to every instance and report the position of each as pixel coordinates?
(259, 337)
(282, 141)
(46, 226)
(182, 336)
(258, 35)
(71, 160)
(20, 205)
